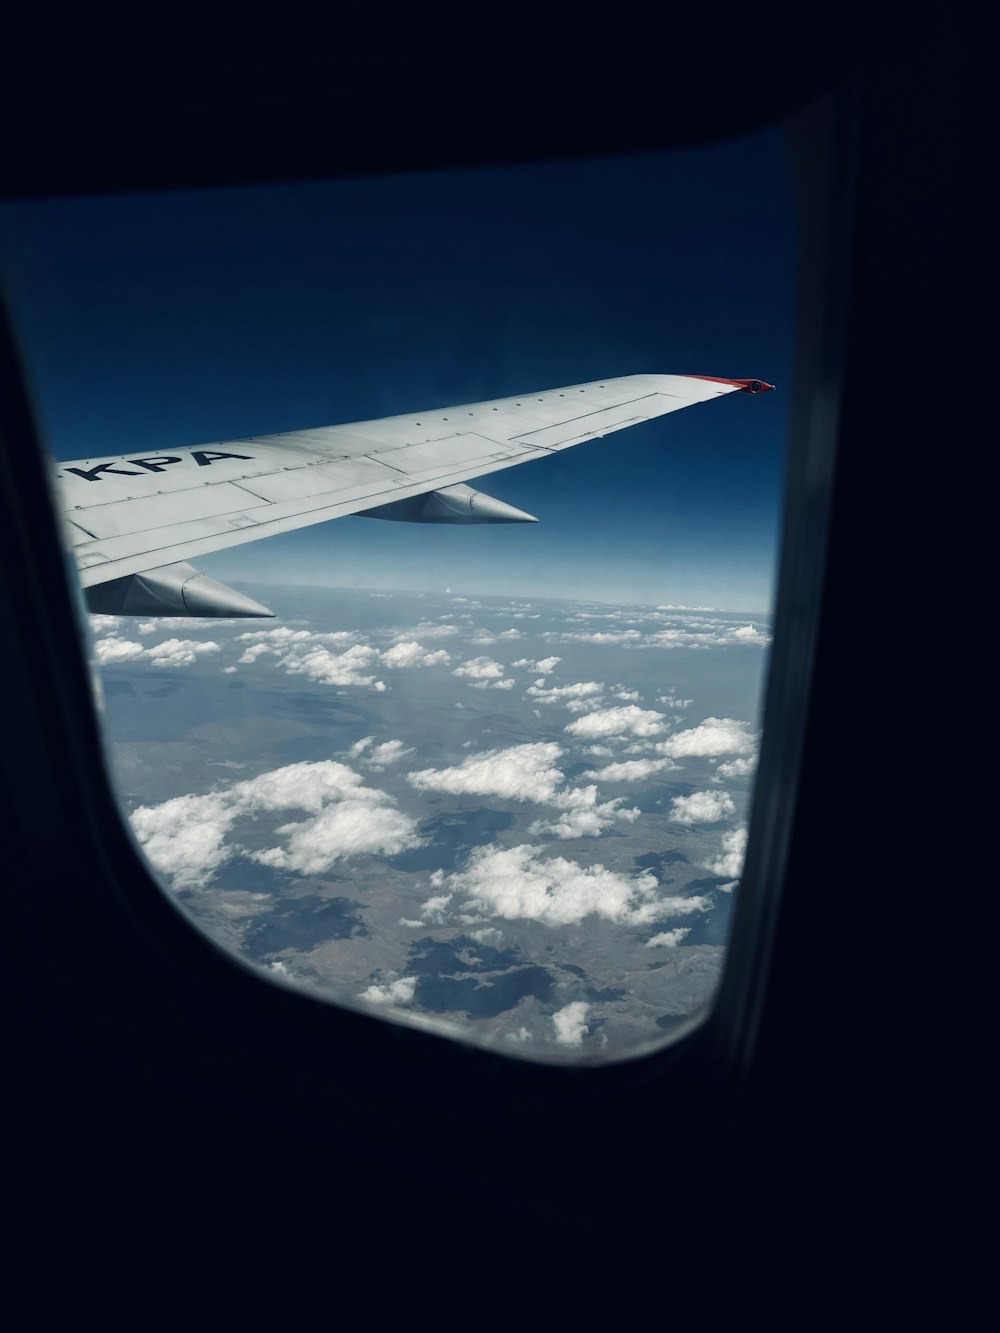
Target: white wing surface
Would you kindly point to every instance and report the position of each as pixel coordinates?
(135, 512)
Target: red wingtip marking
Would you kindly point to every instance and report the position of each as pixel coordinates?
(745, 386)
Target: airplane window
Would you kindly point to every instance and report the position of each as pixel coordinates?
(453, 722)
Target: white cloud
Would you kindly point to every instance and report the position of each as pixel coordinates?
(730, 859)
(348, 828)
(736, 768)
(302, 652)
(714, 736)
(427, 630)
(507, 684)
(681, 638)
(702, 807)
(394, 992)
(520, 773)
(529, 773)
(409, 653)
(519, 883)
(668, 939)
(111, 650)
(488, 935)
(179, 652)
(671, 700)
(749, 634)
(329, 668)
(185, 836)
(631, 770)
(630, 696)
(583, 815)
(522, 1034)
(584, 705)
(582, 689)
(229, 671)
(570, 1023)
(188, 622)
(545, 665)
(169, 653)
(283, 638)
(627, 720)
(104, 624)
(389, 752)
(304, 786)
(479, 668)
(604, 636)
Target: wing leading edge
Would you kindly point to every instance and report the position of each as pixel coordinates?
(131, 514)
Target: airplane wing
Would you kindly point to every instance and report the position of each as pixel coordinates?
(134, 520)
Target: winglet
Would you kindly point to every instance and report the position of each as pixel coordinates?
(744, 386)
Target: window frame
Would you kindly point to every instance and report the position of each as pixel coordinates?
(56, 705)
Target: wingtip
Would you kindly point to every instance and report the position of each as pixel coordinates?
(744, 386)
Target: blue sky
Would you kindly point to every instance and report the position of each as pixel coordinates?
(155, 320)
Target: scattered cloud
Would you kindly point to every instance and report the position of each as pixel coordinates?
(393, 992)
(583, 815)
(426, 630)
(730, 859)
(714, 736)
(187, 622)
(520, 773)
(529, 773)
(111, 650)
(185, 838)
(600, 636)
(169, 653)
(179, 652)
(520, 883)
(668, 939)
(488, 935)
(570, 1023)
(670, 700)
(329, 668)
(564, 694)
(305, 653)
(389, 752)
(544, 665)
(631, 770)
(479, 668)
(749, 634)
(409, 653)
(627, 720)
(737, 768)
(702, 807)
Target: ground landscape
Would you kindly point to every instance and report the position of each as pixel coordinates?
(519, 819)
